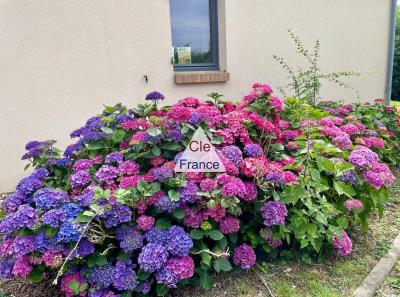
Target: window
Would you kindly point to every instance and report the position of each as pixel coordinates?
(194, 27)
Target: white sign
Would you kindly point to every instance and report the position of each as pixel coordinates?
(199, 155)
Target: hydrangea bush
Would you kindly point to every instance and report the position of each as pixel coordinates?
(110, 217)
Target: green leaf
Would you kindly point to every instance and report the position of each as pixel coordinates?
(325, 164)
(156, 151)
(215, 235)
(174, 195)
(118, 135)
(205, 278)
(101, 260)
(83, 287)
(222, 264)
(178, 213)
(162, 290)
(278, 146)
(74, 286)
(163, 223)
(154, 132)
(196, 234)
(126, 294)
(206, 259)
(36, 275)
(343, 188)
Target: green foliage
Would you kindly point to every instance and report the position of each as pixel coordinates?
(305, 83)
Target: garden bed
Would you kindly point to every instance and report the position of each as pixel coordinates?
(291, 278)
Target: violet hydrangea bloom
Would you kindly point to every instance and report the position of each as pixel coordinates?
(116, 215)
(79, 179)
(154, 96)
(124, 276)
(167, 277)
(130, 238)
(244, 256)
(115, 157)
(28, 185)
(343, 244)
(128, 168)
(25, 216)
(155, 235)
(179, 242)
(83, 164)
(13, 201)
(363, 157)
(102, 276)
(349, 176)
(274, 213)
(6, 266)
(107, 174)
(47, 198)
(152, 257)
(189, 193)
(54, 217)
(253, 150)
(232, 153)
(165, 204)
(22, 245)
(162, 173)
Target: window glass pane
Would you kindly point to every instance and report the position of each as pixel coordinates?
(191, 37)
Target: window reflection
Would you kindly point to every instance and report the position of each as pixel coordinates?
(191, 31)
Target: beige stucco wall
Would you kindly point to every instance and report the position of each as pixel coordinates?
(61, 59)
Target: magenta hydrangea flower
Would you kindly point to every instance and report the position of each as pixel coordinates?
(22, 267)
(83, 164)
(351, 204)
(244, 256)
(181, 267)
(129, 168)
(145, 222)
(274, 213)
(343, 244)
(363, 157)
(229, 225)
(208, 184)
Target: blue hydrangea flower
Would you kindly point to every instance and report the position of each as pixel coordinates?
(67, 233)
(152, 257)
(116, 215)
(165, 204)
(47, 198)
(102, 277)
(124, 276)
(130, 238)
(179, 242)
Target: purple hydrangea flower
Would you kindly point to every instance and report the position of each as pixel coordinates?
(79, 179)
(84, 248)
(362, 157)
(25, 216)
(162, 173)
(130, 238)
(83, 164)
(244, 256)
(189, 193)
(275, 178)
(71, 210)
(102, 277)
(274, 213)
(115, 157)
(85, 199)
(124, 276)
(54, 217)
(63, 162)
(232, 153)
(167, 277)
(253, 150)
(116, 215)
(40, 173)
(152, 257)
(28, 185)
(6, 266)
(13, 201)
(179, 242)
(154, 96)
(107, 174)
(175, 134)
(343, 245)
(22, 245)
(155, 235)
(343, 141)
(128, 168)
(349, 176)
(250, 192)
(47, 198)
(165, 204)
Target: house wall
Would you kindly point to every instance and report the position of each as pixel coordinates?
(61, 59)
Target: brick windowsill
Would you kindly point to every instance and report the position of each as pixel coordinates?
(201, 77)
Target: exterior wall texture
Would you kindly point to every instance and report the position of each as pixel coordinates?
(61, 59)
